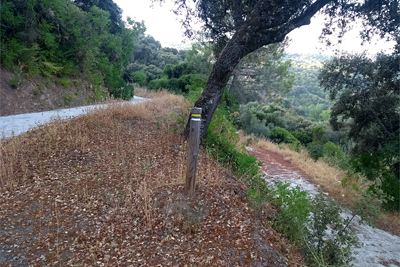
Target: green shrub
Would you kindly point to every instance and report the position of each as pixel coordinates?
(330, 239)
(259, 194)
(334, 156)
(118, 87)
(302, 136)
(68, 98)
(158, 84)
(380, 167)
(294, 211)
(281, 135)
(140, 77)
(220, 142)
(319, 135)
(17, 80)
(176, 85)
(315, 150)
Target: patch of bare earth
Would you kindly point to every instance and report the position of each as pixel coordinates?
(38, 94)
(106, 189)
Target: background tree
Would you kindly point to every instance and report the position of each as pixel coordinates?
(262, 75)
(367, 95)
(241, 27)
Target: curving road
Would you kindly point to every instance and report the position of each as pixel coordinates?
(16, 124)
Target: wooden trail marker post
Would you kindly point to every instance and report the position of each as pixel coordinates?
(194, 143)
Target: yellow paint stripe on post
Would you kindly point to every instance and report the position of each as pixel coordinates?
(193, 151)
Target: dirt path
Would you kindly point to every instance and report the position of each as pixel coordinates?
(379, 248)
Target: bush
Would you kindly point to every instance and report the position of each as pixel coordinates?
(220, 142)
(158, 84)
(380, 167)
(334, 156)
(319, 135)
(140, 77)
(302, 136)
(315, 150)
(281, 135)
(330, 238)
(294, 213)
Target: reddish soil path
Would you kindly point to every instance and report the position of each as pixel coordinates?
(275, 165)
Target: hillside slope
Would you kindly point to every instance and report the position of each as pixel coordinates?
(106, 189)
(40, 94)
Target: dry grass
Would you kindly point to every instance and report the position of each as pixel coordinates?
(328, 177)
(144, 92)
(106, 189)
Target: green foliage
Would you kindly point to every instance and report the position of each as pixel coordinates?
(330, 238)
(381, 167)
(294, 211)
(187, 84)
(220, 142)
(140, 77)
(58, 38)
(259, 194)
(64, 82)
(315, 224)
(199, 58)
(315, 150)
(17, 80)
(262, 75)
(319, 135)
(302, 136)
(367, 95)
(176, 71)
(334, 156)
(281, 135)
(230, 106)
(307, 96)
(158, 84)
(259, 119)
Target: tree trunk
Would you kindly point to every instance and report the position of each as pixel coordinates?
(219, 77)
(257, 31)
(234, 85)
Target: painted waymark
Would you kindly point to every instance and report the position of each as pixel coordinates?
(193, 151)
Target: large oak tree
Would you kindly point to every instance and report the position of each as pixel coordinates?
(239, 27)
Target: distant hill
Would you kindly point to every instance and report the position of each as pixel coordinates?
(306, 91)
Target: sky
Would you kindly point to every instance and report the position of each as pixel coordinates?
(164, 26)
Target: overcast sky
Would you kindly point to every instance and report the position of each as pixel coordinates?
(163, 25)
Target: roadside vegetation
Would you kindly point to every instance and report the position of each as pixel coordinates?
(106, 188)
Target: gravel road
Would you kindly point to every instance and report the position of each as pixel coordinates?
(16, 124)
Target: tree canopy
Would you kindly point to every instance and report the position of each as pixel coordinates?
(239, 27)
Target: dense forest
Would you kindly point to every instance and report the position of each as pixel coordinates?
(343, 109)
